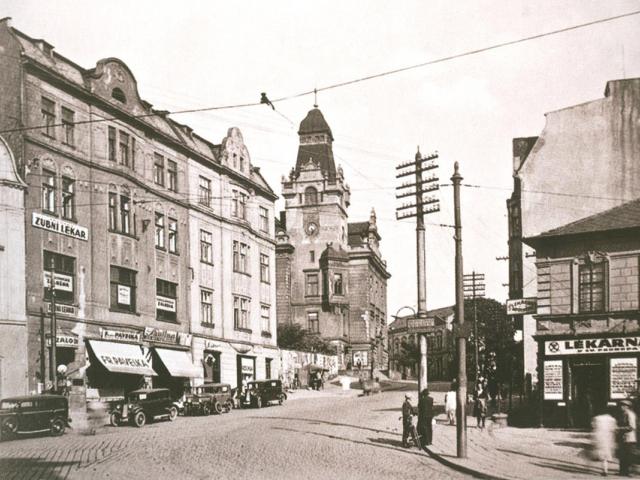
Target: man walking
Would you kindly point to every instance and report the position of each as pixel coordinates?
(425, 418)
(627, 428)
(407, 412)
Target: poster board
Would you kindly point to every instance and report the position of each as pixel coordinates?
(553, 389)
(623, 373)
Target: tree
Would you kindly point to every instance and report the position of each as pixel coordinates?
(409, 355)
(292, 336)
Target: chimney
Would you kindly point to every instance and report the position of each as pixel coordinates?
(45, 47)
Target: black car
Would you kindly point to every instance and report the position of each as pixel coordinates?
(34, 413)
(260, 392)
(143, 405)
(207, 399)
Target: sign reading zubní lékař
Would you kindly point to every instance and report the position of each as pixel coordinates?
(592, 345)
(624, 372)
(59, 226)
(553, 380)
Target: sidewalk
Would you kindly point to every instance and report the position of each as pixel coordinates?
(514, 453)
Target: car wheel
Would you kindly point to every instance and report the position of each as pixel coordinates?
(115, 418)
(173, 413)
(229, 405)
(139, 419)
(9, 425)
(57, 427)
(217, 408)
(206, 409)
(259, 402)
(281, 398)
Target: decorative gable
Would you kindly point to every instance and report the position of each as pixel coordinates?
(112, 80)
(234, 153)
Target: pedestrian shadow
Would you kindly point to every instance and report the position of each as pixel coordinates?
(585, 444)
(32, 468)
(387, 441)
(399, 409)
(318, 422)
(564, 465)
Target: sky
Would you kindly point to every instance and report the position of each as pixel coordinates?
(195, 54)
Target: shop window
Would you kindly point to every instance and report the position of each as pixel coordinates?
(337, 284)
(241, 308)
(211, 364)
(159, 236)
(48, 191)
(310, 196)
(172, 175)
(264, 268)
(68, 198)
(123, 289)
(68, 126)
(112, 144)
(205, 192)
(206, 247)
(158, 169)
(264, 219)
(48, 110)
(65, 271)
(173, 235)
(206, 308)
(311, 289)
(265, 318)
(166, 300)
(592, 276)
(313, 325)
(65, 356)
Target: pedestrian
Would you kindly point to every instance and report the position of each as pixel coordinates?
(627, 429)
(407, 412)
(604, 439)
(425, 418)
(480, 411)
(450, 406)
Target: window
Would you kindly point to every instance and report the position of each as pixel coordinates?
(118, 95)
(241, 307)
(67, 126)
(205, 192)
(267, 368)
(65, 272)
(238, 207)
(158, 169)
(173, 235)
(123, 289)
(159, 230)
(124, 149)
(337, 284)
(592, 287)
(243, 258)
(242, 164)
(312, 322)
(48, 110)
(264, 268)
(310, 196)
(206, 248)
(48, 191)
(125, 214)
(113, 211)
(206, 308)
(112, 144)
(264, 219)
(68, 198)
(172, 175)
(240, 260)
(312, 284)
(312, 256)
(236, 256)
(166, 300)
(265, 318)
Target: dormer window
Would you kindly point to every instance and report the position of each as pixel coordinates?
(118, 94)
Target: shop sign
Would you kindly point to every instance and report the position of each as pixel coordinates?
(624, 372)
(63, 309)
(159, 335)
(64, 283)
(59, 226)
(522, 306)
(419, 324)
(553, 380)
(124, 295)
(592, 345)
(246, 365)
(185, 339)
(120, 336)
(211, 345)
(166, 304)
(66, 341)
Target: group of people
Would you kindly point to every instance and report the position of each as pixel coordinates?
(606, 430)
(424, 410)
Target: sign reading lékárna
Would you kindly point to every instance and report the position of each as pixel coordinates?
(592, 345)
(59, 226)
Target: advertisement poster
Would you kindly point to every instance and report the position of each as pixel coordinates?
(624, 372)
(553, 380)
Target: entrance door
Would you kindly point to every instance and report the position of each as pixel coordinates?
(588, 391)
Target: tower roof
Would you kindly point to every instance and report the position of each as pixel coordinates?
(320, 152)
(314, 122)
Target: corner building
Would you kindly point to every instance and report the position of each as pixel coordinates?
(331, 277)
(134, 215)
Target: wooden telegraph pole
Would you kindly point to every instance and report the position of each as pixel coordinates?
(53, 374)
(419, 209)
(474, 288)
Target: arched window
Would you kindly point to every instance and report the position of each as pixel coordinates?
(310, 196)
(118, 95)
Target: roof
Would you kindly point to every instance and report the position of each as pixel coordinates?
(321, 154)
(359, 230)
(331, 253)
(621, 217)
(314, 122)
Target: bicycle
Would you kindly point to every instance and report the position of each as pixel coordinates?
(413, 430)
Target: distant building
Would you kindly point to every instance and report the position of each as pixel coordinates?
(584, 162)
(588, 314)
(331, 277)
(438, 328)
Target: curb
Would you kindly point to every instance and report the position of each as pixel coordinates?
(462, 468)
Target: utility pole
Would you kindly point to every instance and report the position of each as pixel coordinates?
(53, 374)
(460, 331)
(43, 360)
(474, 288)
(419, 209)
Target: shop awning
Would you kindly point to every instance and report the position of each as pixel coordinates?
(121, 357)
(178, 363)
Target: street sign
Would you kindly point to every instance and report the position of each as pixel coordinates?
(419, 324)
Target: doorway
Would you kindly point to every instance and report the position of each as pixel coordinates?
(588, 391)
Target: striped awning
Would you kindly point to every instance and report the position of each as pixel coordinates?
(121, 357)
(178, 363)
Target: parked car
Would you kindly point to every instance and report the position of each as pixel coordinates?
(34, 413)
(143, 405)
(207, 399)
(261, 392)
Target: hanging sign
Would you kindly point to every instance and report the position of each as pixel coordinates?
(64, 283)
(124, 295)
(120, 335)
(592, 345)
(63, 309)
(522, 306)
(553, 380)
(166, 304)
(59, 226)
(247, 366)
(624, 372)
(63, 341)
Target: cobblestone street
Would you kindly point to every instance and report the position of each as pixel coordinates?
(331, 437)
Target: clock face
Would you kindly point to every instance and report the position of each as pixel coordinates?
(311, 228)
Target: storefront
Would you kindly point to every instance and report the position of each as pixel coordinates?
(581, 376)
(246, 369)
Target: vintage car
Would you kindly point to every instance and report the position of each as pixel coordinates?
(142, 406)
(207, 399)
(260, 392)
(34, 413)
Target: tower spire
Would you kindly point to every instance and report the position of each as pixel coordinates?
(315, 97)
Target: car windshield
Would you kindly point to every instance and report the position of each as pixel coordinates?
(134, 397)
(253, 386)
(8, 404)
